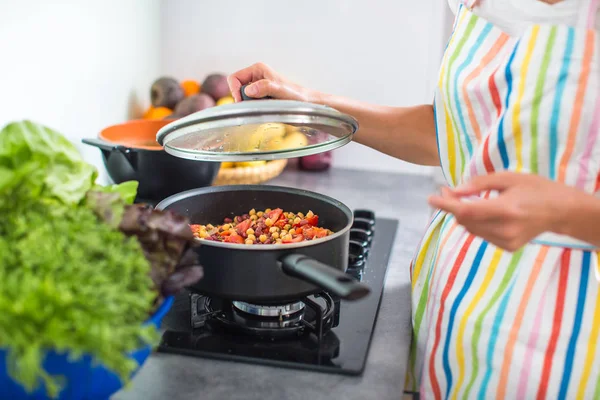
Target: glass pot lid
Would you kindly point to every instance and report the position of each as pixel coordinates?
(257, 129)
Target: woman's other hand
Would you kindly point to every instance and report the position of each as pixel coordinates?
(526, 206)
(263, 81)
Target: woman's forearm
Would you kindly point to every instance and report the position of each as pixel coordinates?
(407, 133)
(582, 219)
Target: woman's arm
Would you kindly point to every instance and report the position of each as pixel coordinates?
(582, 218)
(405, 133)
(526, 206)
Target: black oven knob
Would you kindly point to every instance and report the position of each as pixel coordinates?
(356, 255)
(364, 225)
(365, 214)
(356, 273)
(359, 235)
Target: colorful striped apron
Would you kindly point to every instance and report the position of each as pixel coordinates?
(488, 323)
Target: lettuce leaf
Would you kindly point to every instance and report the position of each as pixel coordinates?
(127, 190)
(39, 163)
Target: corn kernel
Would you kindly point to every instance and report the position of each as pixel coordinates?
(248, 241)
(252, 212)
(268, 222)
(262, 238)
(284, 232)
(268, 210)
(251, 236)
(275, 235)
(274, 229)
(300, 215)
(226, 227)
(297, 221)
(253, 217)
(287, 227)
(278, 241)
(209, 226)
(250, 231)
(287, 237)
(310, 214)
(260, 214)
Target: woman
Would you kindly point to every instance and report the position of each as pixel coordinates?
(506, 299)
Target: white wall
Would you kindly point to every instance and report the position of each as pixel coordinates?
(384, 51)
(79, 65)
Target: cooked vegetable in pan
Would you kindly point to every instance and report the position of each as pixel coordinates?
(264, 227)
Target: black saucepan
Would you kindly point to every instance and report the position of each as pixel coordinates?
(130, 152)
(268, 274)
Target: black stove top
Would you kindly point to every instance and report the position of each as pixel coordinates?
(320, 332)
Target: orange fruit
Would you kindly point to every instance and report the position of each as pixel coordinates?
(190, 87)
(148, 112)
(157, 113)
(225, 100)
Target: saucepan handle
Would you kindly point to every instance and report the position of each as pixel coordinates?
(128, 154)
(104, 145)
(246, 97)
(329, 278)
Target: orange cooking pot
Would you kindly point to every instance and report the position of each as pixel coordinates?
(130, 152)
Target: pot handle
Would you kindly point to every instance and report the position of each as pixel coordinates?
(246, 97)
(331, 279)
(104, 145)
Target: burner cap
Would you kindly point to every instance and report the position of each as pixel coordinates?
(269, 311)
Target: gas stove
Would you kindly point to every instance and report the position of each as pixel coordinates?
(319, 332)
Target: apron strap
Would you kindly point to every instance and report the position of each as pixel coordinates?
(469, 4)
(587, 13)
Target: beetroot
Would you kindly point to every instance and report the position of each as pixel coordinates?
(193, 103)
(215, 85)
(166, 92)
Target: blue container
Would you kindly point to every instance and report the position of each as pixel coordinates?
(84, 379)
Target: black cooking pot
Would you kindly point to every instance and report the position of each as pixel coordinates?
(271, 273)
(130, 152)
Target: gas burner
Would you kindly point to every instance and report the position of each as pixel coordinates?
(315, 314)
(269, 310)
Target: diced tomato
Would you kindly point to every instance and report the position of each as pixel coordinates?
(234, 239)
(295, 239)
(309, 233)
(225, 233)
(299, 231)
(321, 233)
(314, 220)
(275, 214)
(243, 226)
(281, 223)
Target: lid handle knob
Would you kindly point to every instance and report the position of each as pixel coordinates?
(246, 97)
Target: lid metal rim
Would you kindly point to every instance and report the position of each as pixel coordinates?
(199, 155)
(311, 114)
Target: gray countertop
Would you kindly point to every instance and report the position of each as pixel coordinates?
(403, 197)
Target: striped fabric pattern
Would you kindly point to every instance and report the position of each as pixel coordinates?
(488, 323)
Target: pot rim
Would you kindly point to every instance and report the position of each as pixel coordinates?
(164, 204)
(129, 145)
